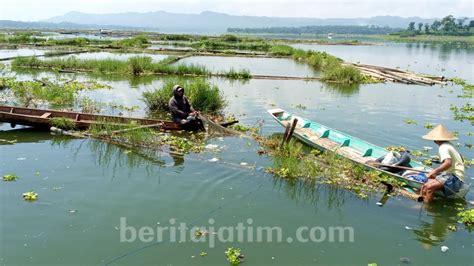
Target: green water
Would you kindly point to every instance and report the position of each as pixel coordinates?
(85, 186)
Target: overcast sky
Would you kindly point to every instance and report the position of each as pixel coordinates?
(32, 10)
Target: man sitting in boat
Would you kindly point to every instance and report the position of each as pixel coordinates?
(182, 111)
(451, 164)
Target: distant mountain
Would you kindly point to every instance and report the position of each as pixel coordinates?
(213, 22)
(9, 24)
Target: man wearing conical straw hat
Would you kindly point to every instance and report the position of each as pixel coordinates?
(449, 175)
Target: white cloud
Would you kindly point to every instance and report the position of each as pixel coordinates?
(31, 10)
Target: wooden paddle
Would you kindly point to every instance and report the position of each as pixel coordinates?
(420, 197)
(373, 163)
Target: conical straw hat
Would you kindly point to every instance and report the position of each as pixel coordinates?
(440, 133)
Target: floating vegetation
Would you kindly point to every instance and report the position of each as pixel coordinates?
(300, 106)
(428, 125)
(243, 128)
(202, 253)
(10, 177)
(467, 217)
(396, 148)
(234, 256)
(409, 121)
(292, 161)
(182, 145)
(30, 196)
(45, 91)
(427, 162)
(62, 123)
(203, 96)
(465, 112)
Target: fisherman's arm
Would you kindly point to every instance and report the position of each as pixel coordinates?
(443, 167)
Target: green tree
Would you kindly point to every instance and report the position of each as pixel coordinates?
(420, 27)
(427, 28)
(436, 25)
(449, 24)
(411, 26)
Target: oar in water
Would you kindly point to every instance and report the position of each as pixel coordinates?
(373, 163)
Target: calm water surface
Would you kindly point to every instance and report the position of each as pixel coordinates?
(102, 183)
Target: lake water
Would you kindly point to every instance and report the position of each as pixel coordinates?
(21, 52)
(436, 59)
(86, 186)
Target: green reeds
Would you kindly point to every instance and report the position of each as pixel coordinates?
(138, 65)
(237, 74)
(204, 96)
(281, 50)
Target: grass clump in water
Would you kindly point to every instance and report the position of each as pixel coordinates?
(140, 41)
(204, 96)
(237, 74)
(281, 50)
(62, 123)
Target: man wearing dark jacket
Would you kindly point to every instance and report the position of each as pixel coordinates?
(181, 110)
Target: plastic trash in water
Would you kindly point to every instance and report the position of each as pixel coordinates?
(213, 159)
(444, 248)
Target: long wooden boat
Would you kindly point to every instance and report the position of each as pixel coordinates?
(354, 149)
(41, 118)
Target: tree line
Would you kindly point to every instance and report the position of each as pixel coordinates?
(317, 30)
(449, 25)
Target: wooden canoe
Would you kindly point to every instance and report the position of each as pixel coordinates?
(325, 138)
(40, 118)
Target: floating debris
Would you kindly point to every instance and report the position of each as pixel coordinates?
(213, 159)
(444, 248)
(202, 254)
(405, 260)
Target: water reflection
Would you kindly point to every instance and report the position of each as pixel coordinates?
(443, 215)
(22, 135)
(342, 88)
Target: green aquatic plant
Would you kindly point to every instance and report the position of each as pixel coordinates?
(234, 255)
(30, 196)
(182, 144)
(467, 217)
(281, 50)
(62, 123)
(45, 91)
(237, 74)
(10, 177)
(428, 125)
(140, 41)
(396, 148)
(409, 121)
